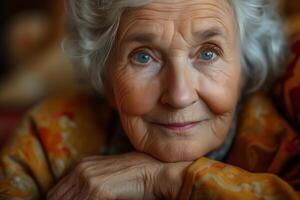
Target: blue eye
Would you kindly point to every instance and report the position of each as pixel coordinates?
(207, 55)
(142, 58)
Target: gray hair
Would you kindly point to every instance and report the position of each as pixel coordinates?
(93, 26)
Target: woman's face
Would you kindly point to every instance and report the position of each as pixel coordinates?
(175, 76)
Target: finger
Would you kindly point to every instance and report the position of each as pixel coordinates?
(70, 185)
(91, 158)
(84, 173)
(70, 194)
(61, 188)
(84, 193)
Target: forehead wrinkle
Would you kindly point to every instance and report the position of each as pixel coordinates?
(165, 10)
(183, 4)
(220, 28)
(130, 27)
(209, 33)
(141, 37)
(209, 12)
(151, 36)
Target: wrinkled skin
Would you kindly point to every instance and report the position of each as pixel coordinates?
(177, 86)
(130, 176)
(175, 79)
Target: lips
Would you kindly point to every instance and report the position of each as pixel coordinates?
(179, 126)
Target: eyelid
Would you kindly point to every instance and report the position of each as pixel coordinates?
(143, 50)
(213, 47)
(139, 50)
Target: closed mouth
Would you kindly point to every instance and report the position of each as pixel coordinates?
(179, 126)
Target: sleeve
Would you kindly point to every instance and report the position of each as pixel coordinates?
(24, 169)
(208, 179)
(52, 138)
(263, 162)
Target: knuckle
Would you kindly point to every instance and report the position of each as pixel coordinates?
(104, 194)
(81, 167)
(92, 158)
(83, 172)
(87, 159)
(86, 176)
(92, 183)
(84, 160)
(98, 190)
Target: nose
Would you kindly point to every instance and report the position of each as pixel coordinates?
(179, 91)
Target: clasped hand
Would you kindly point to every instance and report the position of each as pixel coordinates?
(123, 177)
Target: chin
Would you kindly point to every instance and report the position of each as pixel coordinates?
(178, 153)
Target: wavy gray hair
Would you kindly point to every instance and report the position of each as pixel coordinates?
(93, 26)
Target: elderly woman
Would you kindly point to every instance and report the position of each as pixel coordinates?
(174, 74)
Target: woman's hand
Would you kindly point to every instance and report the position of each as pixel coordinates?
(128, 176)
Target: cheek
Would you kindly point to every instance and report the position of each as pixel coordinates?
(221, 94)
(135, 94)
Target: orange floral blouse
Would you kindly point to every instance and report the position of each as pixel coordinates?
(263, 162)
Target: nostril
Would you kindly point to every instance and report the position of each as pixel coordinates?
(179, 99)
(179, 87)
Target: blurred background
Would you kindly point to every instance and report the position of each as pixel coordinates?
(33, 65)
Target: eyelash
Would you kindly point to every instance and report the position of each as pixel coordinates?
(206, 47)
(140, 50)
(210, 47)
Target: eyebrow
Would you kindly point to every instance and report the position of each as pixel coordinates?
(209, 33)
(148, 37)
(141, 37)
